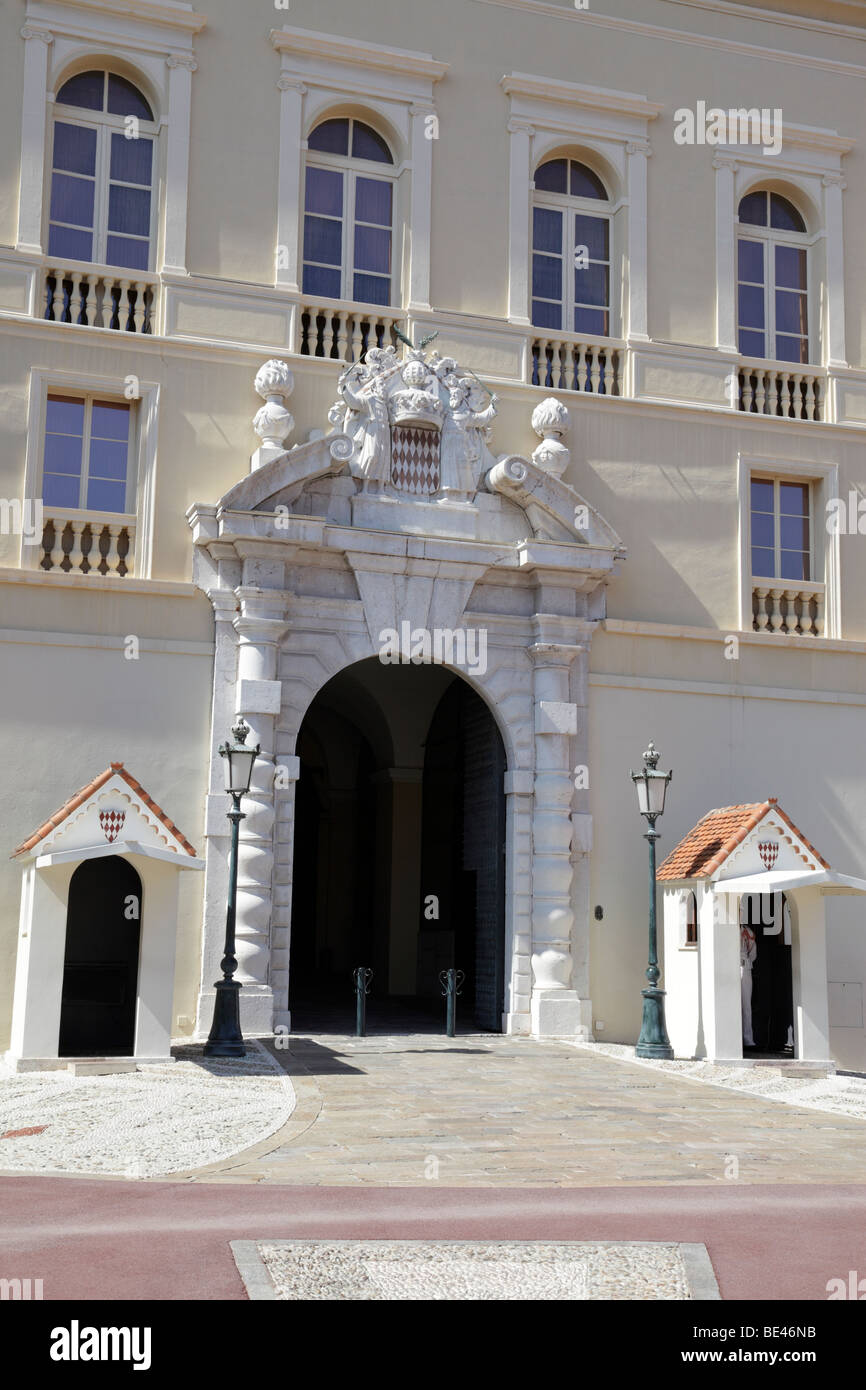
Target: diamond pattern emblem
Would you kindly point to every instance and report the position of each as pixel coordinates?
(112, 824)
(769, 852)
(415, 459)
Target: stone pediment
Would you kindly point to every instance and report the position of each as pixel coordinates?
(740, 841)
(775, 845)
(409, 452)
(113, 814)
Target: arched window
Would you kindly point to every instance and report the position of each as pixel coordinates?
(102, 170)
(773, 279)
(348, 213)
(691, 920)
(571, 249)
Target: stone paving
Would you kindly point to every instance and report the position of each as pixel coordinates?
(835, 1094)
(484, 1110)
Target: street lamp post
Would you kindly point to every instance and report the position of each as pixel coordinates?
(225, 1038)
(651, 787)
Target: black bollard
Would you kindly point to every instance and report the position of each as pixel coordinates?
(362, 976)
(451, 982)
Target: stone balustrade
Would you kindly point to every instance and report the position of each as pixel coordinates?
(565, 362)
(342, 330)
(95, 296)
(80, 542)
(789, 608)
(777, 388)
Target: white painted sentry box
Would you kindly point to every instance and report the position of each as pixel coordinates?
(746, 873)
(98, 927)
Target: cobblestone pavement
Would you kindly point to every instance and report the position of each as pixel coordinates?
(484, 1110)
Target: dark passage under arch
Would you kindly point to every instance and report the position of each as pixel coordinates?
(399, 853)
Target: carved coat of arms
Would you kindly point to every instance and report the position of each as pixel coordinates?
(418, 425)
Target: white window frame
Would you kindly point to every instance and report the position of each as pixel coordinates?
(776, 479)
(153, 47)
(141, 459)
(547, 118)
(105, 126)
(88, 398)
(808, 171)
(770, 238)
(824, 480)
(322, 75)
(569, 206)
(352, 168)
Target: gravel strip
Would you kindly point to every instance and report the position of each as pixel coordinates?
(157, 1120)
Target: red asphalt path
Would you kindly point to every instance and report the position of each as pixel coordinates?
(91, 1239)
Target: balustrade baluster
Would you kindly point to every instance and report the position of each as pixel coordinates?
(83, 295)
(57, 296)
(595, 369)
(342, 334)
(818, 620)
(46, 548)
(112, 555)
(137, 308)
(791, 622)
(76, 548)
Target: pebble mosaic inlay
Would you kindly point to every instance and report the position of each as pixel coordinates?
(160, 1119)
(465, 1271)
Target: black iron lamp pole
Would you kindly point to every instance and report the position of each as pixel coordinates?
(651, 787)
(225, 1038)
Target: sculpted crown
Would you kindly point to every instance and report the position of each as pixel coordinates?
(419, 403)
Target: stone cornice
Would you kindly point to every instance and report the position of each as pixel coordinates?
(540, 8)
(803, 137)
(146, 11)
(310, 44)
(526, 84)
(783, 18)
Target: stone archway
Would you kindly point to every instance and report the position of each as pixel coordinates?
(399, 846)
(321, 558)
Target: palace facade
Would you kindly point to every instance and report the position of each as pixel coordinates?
(465, 395)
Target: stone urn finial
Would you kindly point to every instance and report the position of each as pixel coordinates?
(551, 421)
(274, 423)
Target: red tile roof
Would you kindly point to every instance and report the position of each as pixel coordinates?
(60, 815)
(715, 837)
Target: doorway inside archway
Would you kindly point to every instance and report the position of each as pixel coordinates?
(399, 853)
(100, 966)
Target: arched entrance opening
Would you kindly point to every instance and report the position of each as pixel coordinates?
(399, 853)
(100, 966)
(767, 975)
